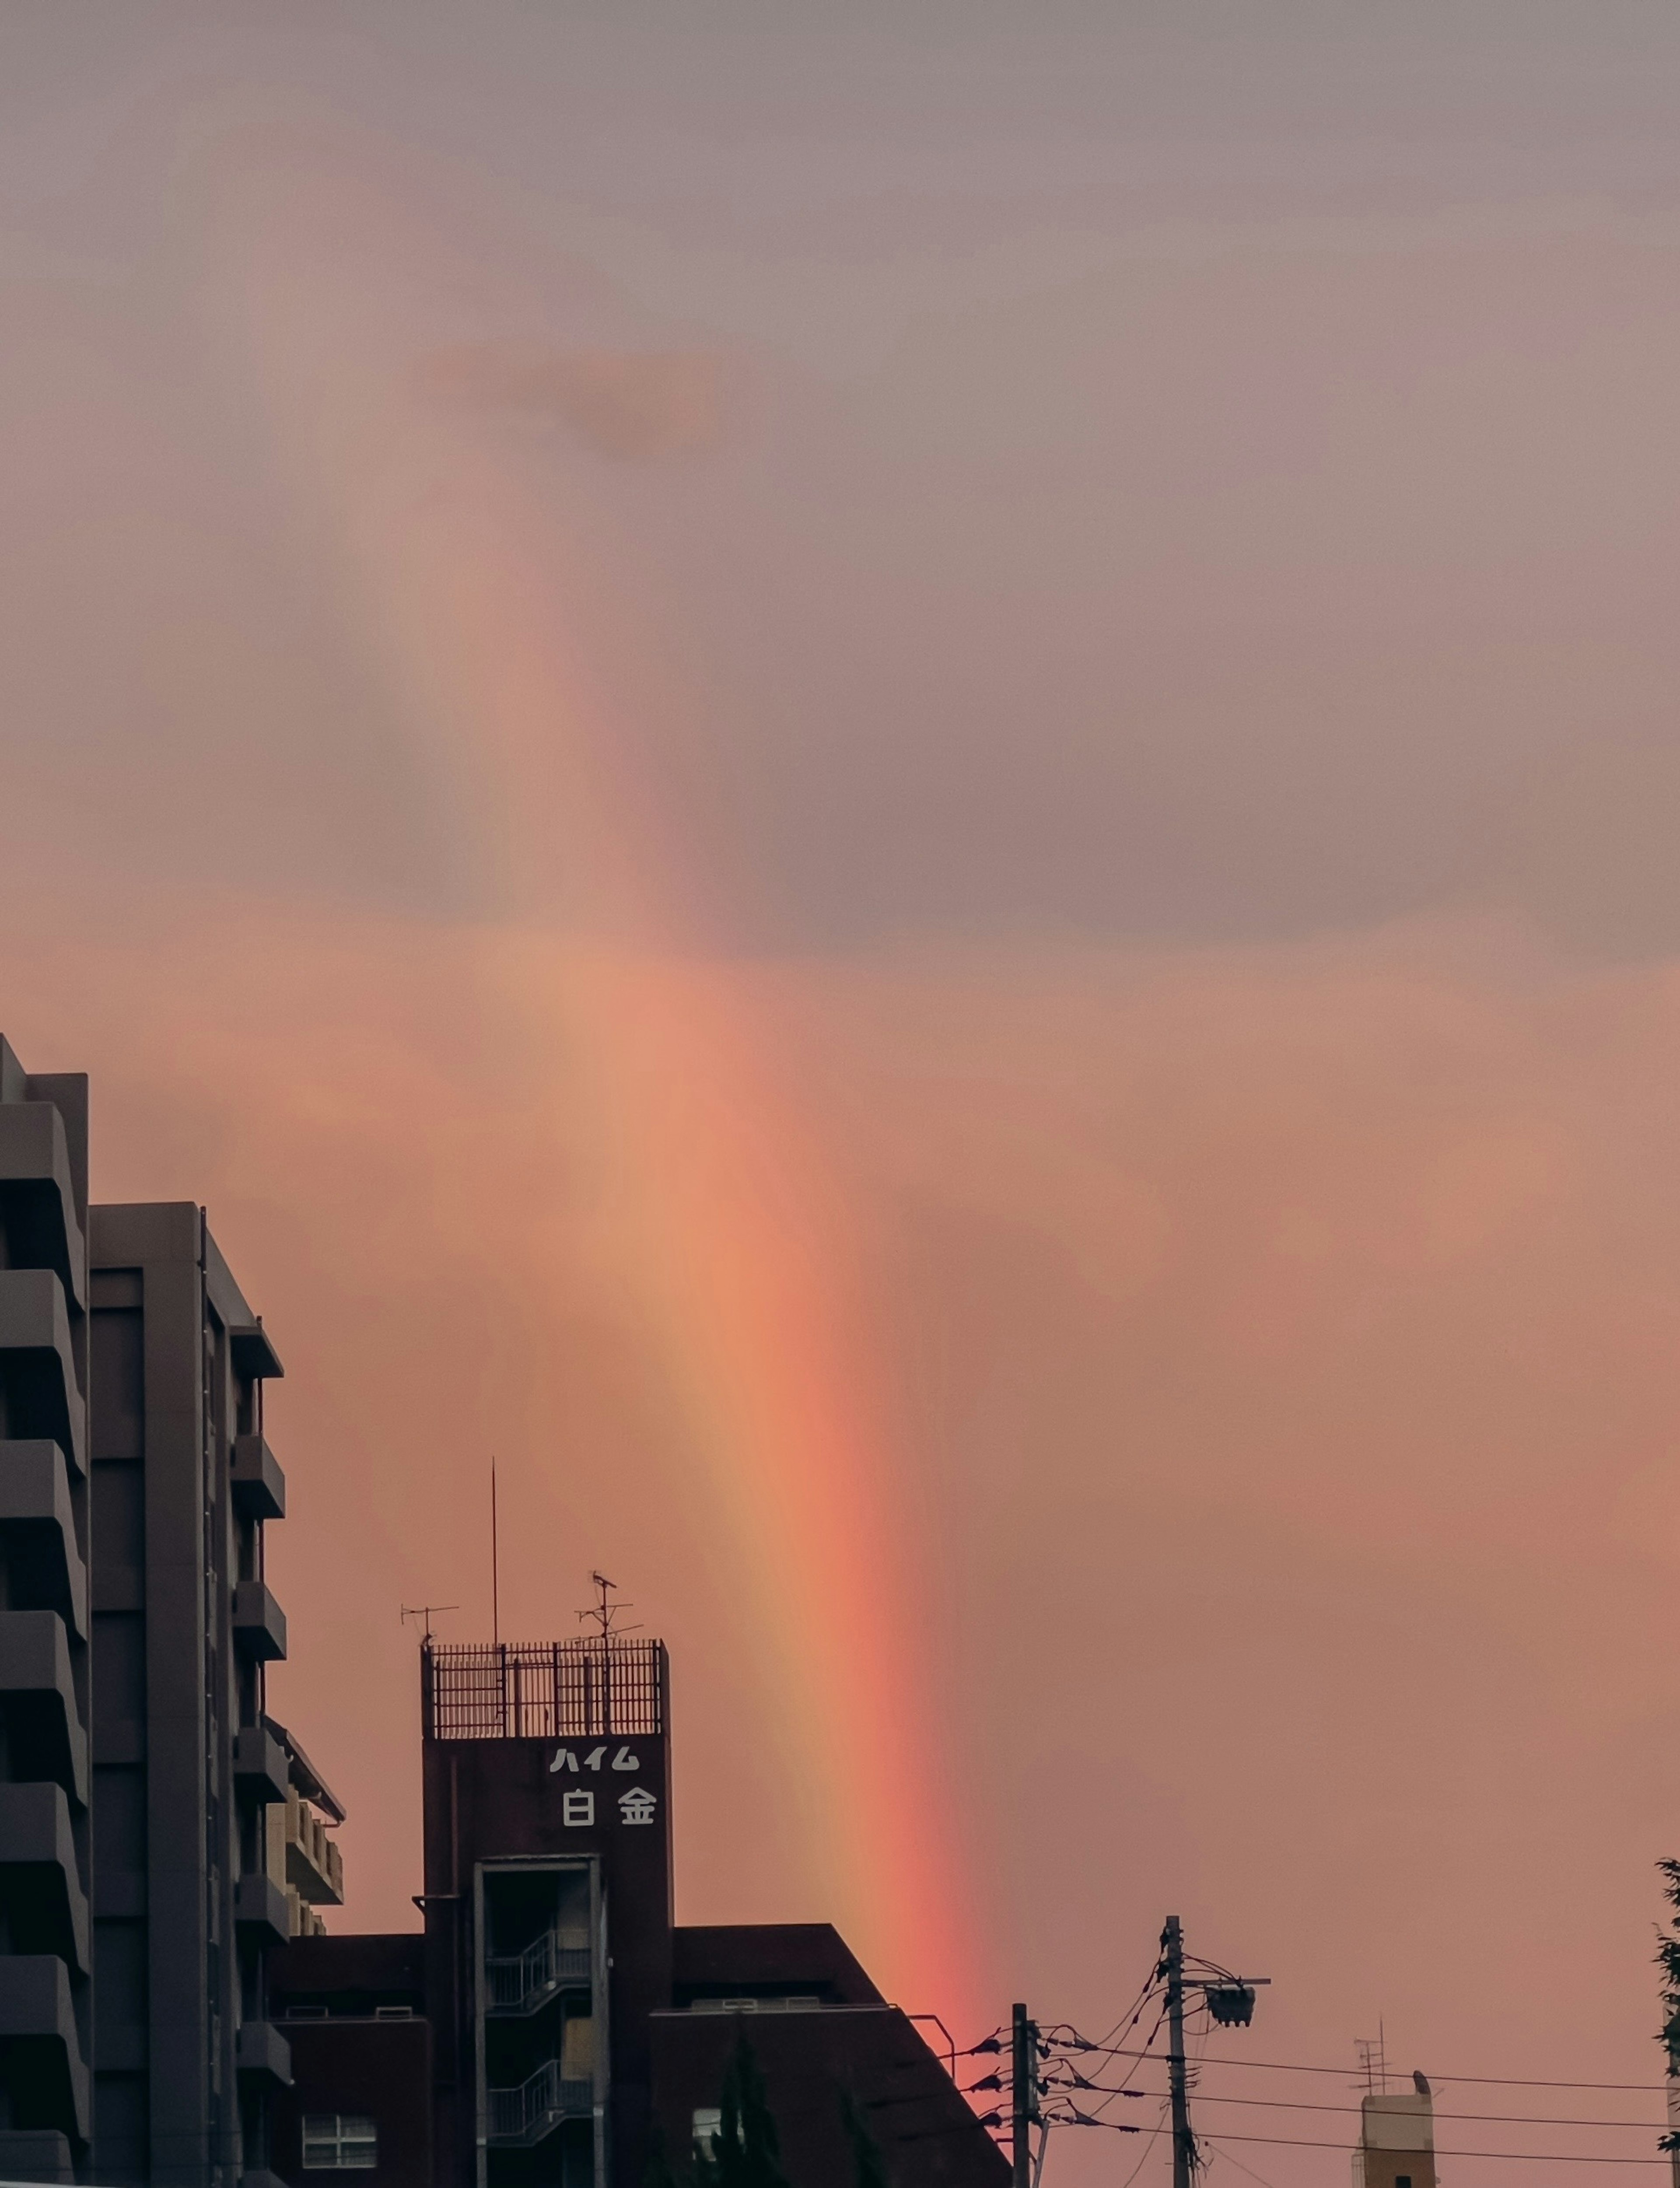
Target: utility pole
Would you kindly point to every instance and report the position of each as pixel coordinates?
(1023, 2096)
(1184, 2154)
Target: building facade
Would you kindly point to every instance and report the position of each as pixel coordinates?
(566, 2026)
(187, 1769)
(46, 1848)
(1397, 2140)
(159, 1834)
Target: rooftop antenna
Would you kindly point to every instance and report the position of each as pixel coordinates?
(1373, 2062)
(603, 1613)
(495, 1562)
(426, 1611)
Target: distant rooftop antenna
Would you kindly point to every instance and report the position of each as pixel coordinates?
(426, 1611)
(604, 1614)
(1373, 2062)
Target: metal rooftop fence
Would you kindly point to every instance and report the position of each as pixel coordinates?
(580, 1689)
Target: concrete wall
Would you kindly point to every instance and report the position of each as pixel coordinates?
(185, 2059)
(46, 1991)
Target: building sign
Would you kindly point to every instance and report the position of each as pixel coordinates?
(565, 1758)
(577, 1805)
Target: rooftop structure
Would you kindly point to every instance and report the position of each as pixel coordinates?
(557, 2014)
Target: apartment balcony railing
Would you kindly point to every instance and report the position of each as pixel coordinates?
(527, 2115)
(579, 1689)
(522, 1983)
(304, 1921)
(315, 1866)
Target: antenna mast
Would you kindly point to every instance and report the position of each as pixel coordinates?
(603, 1614)
(426, 1610)
(1373, 2061)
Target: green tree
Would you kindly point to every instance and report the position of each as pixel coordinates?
(746, 2151)
(1668, 1961)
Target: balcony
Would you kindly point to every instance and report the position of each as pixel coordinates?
(38, 1533)
(37, 2024)
(530, 2114)
(304, 1921)
(260, 1769)
(264, 2053)
(259, 1622)
(35, 2154)
(37, 1699)
(315, 1866)
(40, 1883)
(38, 1365)
(259, 1487)
(253, 1355)
(522, 1983)
(260, 1905)
(37, 1195)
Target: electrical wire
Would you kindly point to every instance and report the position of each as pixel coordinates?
(1143, 2155)
(1159, 2018)
(1306, 2105)
(1520, 2156)
(1212, 2142)
(1135, 2009)
(1343, 2073)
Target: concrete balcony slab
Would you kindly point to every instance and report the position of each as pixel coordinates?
(260, 1768)
(260, 1905)
(38, 1696)
(37, 1363)
(37, 1195)
(259, 1622)
(37, 1533)
(39, 2046)
(40, 1883)
(254, 1355)
(27, 2154)
(259, 1487)
(264, 2053)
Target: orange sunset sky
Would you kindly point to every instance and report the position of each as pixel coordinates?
(898, 787)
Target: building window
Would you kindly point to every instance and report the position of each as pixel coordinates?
(340, 2142)
(708, 2125)
(1402, 2180)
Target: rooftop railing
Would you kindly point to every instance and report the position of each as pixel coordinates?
(580, 1689)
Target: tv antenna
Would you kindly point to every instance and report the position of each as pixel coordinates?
(1373, 2061)
(426, 1611)
(603, 1613)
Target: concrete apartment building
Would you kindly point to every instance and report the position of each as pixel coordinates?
(46, 1850)
(553, 2017)
(172, 2014)
(159, 1832)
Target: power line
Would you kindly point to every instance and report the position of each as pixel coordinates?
(1487, 2081)
(1143, 2155)
(1306, 2105)
(1521, 2157)
(1213, 2140)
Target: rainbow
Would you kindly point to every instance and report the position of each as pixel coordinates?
(712, 1173)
